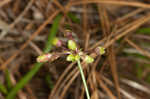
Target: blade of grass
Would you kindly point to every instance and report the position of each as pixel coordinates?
(73, 17)
(8, 80)
(52, 34)
(136, 55)
(36, 66)
(143, 30)
(139, 70)
(48, 81)
(148, 79)
(3, 89)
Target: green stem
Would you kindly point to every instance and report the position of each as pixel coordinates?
(83, 79)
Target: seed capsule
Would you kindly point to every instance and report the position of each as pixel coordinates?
(100, 50)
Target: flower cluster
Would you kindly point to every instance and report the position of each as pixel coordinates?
(74, 53)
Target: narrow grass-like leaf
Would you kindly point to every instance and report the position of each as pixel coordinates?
(146, 65)
(8, 80)
(36, 66)
(136, 55)
(144, 31)
(3, 89)
(49, 81)
(139, 70)
(148, 79)
(73, 18)
(52, 34)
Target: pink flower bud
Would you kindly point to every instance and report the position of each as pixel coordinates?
(57, 42)
(69, 34)
(44, 57)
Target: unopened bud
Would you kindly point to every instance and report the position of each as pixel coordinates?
(89, 59)
(71, 57)
(68, 34)
(44, 57)
(57, 42)
(77, 57)
(100, 50)
(72, 45)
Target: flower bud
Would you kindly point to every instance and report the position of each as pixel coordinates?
(57, 42)
(77, 57)
(88, 59)
(72, 45)
(68, 34)
(71, 57)
(44, 57)
(100, 50)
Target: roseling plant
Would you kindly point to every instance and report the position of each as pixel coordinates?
(74, 54)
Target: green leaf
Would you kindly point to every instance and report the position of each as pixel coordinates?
(148, 79)
(36, 66)
(143, 30)
(52, 34)
(8, 80)
(139, 71)
(3, 89)
(136, 55)
(49, 81)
